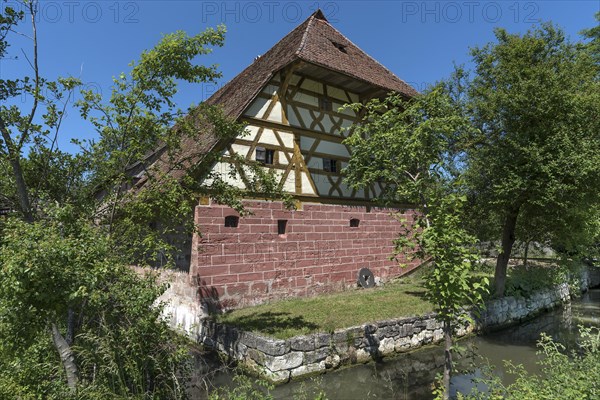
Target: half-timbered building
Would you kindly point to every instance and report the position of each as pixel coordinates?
(290, 100)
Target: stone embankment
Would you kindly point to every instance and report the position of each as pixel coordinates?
(282, 360)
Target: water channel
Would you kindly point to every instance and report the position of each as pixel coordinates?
(410, 376)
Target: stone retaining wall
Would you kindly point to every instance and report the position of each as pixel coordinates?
(282, 360)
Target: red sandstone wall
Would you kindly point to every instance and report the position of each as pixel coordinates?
(320, 252)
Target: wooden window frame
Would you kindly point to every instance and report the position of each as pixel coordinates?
(269, 157)
(330, 165)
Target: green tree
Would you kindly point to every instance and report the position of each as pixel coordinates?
(413, 148)
(34, 128)
(118, 346)
(593, 34)
(65, 285)
(533, 165)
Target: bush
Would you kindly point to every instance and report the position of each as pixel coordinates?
(564, 376)
(524, 280)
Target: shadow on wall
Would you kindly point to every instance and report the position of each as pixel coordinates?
(182, 255)
(208, 296)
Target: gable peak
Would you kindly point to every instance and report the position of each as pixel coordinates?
(319, 15)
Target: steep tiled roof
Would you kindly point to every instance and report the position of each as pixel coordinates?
(314, 41)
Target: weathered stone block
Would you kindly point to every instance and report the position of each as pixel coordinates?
(272, 347)
(332, 361)
(279, 376)
(249, 339)
(256, 356)
(420, 324)
(370, 329)
(387, 346)
(286, 361)
(302, 343)
(308, 369)
(388, 322)
(431, 324)
(370, 341)
(364, 355)
(402, 344)
(406, 330)
(317, 355)
(322, 340)
(388, 331)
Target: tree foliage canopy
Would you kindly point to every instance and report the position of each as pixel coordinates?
(532, 168)
(412, 147)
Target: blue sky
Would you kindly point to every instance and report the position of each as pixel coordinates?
(417, 40)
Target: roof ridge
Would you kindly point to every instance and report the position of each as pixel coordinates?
(372, 58)
(316, 15)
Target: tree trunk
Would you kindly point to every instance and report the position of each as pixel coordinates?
(508, 239)
(66, 356)
(15, 163)
(70, 336)
(447, 358)
(526, 255)
(21, 188)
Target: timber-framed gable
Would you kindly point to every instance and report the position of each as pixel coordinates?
(291, 101)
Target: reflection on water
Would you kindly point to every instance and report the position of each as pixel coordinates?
(410, 376)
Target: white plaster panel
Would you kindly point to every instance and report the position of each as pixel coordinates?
(276, 113)
(250, 132)
(346, 123)
(346, 111)
(287, 138)
(290, 183)
(306, 186)
(327, 124)
(240, 149)
(321, 183)
(313, 86)
(222, 169)
(306, 142)
(336, 93)
(306, 99)
(291, 116)
(346, 191)
(268, 137)
(305, 115)
(376, 190)
(335, 149)
(270, 89)
(258, 107)
(315, 162)
(282, 158)
(294, 80)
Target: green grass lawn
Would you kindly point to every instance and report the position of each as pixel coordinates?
(403, 297)
(288, 318)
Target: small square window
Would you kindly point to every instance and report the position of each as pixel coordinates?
(329, 164)
(354, 223)
(325, 104)
(265, 156)
(281, 226)
(232, 221)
